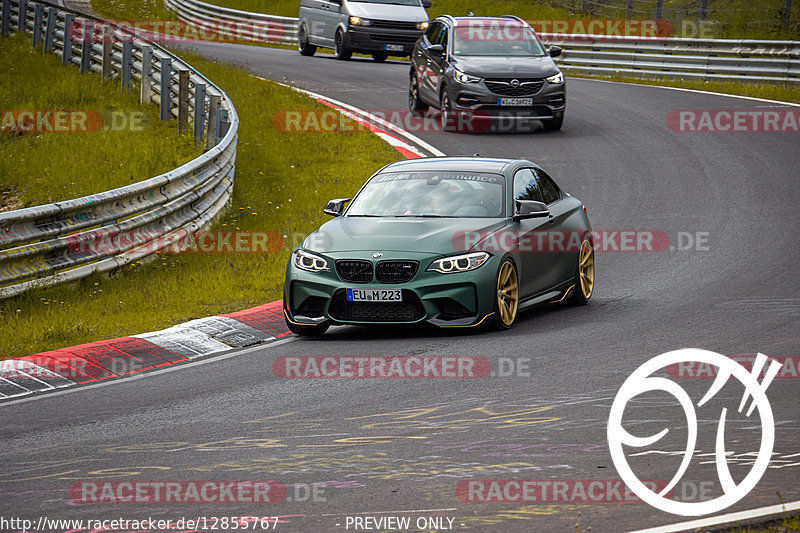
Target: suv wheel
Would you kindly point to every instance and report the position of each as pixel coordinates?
(380, 57)
(342, 51)
(414, 102)
(446, 115)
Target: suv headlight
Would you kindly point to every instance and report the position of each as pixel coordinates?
(466, 78)
(358, 21)
(556, 78)
(459, 263)
(310, 262)
(422, 25)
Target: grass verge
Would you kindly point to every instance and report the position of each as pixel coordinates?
(282, 182)
(39, 168)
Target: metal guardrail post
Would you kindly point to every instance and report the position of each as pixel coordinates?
(211, 129)
(108, 57)
(22, 22)
(38, 14)
(145, 91)
(199, 111)
(222, 124)
(183, 100)
(659, 8)
(86, 46)
(6, 23)
(66, 51)
(50, 30)
(787, 10)
(166, 88)
(703, 9)
(628, 9)
(127, 63)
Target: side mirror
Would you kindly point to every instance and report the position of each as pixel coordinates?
(530, 209)
(335, 207)
(555, 51)
(426, 3)
(437, 49)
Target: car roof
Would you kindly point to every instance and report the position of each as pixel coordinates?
(474, 164)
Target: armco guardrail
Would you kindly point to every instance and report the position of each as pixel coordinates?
(72, 239)
(704, 59)
(247, 25)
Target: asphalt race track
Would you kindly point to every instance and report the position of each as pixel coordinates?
(399, 447)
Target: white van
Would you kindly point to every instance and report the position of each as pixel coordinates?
(378, 27)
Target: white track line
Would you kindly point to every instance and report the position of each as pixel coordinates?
(374, 119)
(779, 102)
(172, 368)
(723, 519)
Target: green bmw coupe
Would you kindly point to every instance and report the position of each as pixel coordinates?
(459, 242)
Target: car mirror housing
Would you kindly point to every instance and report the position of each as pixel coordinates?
(530, 209)
(335, 207)
(436, 49)
(555, 51)
(426, 3)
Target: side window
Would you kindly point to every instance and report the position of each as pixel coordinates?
(433, 32)
(550, 191)
(525, 186)
(442, 38)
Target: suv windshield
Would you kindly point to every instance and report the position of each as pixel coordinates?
(431, 194)
(485, 37)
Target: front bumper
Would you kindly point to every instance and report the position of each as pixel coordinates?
(461, 299)
(369, 40)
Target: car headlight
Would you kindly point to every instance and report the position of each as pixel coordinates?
(466, 78)
(556, 78)
(459, 263)
(422, 25)
(358, 21)
(310, 262)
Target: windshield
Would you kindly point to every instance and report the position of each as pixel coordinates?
(496, 38)
(431, 194)
(390, 2)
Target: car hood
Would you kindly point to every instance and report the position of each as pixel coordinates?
(506, 67)
(436, 236)
(387, 12)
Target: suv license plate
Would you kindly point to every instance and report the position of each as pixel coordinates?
(374, 295)
(515, 101)
(393, 47)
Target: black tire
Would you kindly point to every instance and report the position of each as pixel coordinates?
(305, 48)
(584, 275)
(307, 331)
(380, 57)
(505, 316)
(446, 117)
(414, 102)
(554, 124)
(341, 50)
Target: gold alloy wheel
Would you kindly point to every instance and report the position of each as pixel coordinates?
(507, 293)
(586, 269)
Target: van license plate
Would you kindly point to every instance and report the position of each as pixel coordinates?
(393, 47)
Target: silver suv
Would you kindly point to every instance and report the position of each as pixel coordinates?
(486, 69)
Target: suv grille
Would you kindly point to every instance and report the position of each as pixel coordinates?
(354, 270)
(394, 24)
(396, 271)
(502, 86)
(409, 310)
